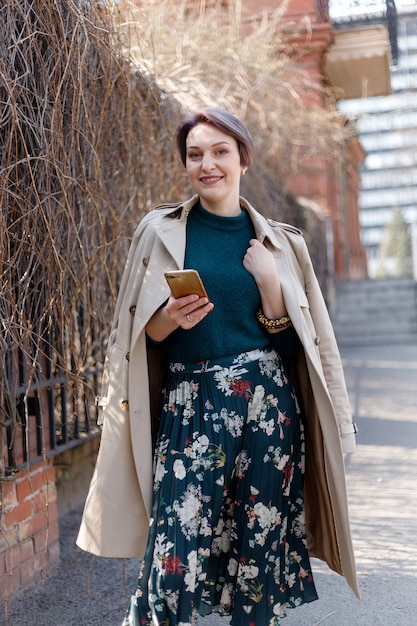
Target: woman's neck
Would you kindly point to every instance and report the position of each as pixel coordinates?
(226, 209)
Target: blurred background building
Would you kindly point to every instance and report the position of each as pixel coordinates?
(387, 122)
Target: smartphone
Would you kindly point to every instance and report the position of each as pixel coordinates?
(185, 282)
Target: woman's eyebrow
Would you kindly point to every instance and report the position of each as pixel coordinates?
(218, 143)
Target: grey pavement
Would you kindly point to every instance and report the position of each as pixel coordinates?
(382, 482)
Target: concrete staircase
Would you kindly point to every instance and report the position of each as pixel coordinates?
(375, 312)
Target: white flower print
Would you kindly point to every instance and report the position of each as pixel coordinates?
(226, 597)
(234, 424)
(161, 551)
(221, 543)
(195, 568)
(160, 472)
(255, 405)
(268, 363)
(159, 462)
(171, 598)
(177, 367)
(242, 463)
(248, 572)
(216, 543)
(227, 377)
(205, 528)
(267, 518)
(279, 611)
(179, 469)
(190, 508)
(232, 567)
(183, 395)
(191, 576)
(253, 355)
(200, 445)
(282, 462)
(203, 496)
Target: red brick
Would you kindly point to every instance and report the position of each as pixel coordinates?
(8, 494)
(39, 540)
(32, 526)
(18, 513)
(12, 558)
(8, 539)
(31, 483)
(44, 499)
(44, 469)
(53, 512)
(26, 550)
(50, 472)
(32, 570)
(23, 489)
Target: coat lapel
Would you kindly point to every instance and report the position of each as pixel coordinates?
(294, 298)
(161, 255)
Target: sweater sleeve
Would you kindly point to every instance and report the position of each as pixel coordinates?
(286, 342)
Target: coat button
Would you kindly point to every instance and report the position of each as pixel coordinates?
(317, 341)
(124, 404)
(132, 309)
(127, 356)
(145, 261)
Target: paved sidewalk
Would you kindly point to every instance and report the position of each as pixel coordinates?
(86, 591)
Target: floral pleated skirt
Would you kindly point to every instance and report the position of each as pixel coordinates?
(227, 530)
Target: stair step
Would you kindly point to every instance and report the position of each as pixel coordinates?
(374, 312)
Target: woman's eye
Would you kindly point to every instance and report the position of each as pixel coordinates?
(193, 155)
(221, 151)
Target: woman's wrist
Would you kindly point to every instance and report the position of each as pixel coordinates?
(161, 325)
(273, 324)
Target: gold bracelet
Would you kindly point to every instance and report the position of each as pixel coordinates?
(280, 324)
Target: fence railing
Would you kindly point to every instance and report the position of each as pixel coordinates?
(46, 408)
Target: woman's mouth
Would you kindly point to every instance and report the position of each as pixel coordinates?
(210, 180)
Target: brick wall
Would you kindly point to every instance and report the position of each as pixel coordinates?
(29, 527)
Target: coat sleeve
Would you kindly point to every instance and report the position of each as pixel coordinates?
(329, 352)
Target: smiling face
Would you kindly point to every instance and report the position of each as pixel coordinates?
(214, 169)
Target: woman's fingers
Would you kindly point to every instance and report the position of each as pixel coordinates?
(189, 310)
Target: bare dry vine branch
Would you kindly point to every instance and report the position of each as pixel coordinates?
(82, 136)
(90, 93)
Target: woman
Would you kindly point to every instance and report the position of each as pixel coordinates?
(248, 477)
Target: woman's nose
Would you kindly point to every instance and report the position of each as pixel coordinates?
(207, 162)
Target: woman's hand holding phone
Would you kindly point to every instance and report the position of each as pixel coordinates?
(189, 303)
(186, 307)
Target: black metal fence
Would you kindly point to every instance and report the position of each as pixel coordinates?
(47, 408)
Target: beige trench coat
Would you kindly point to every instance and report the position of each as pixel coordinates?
(116, 515)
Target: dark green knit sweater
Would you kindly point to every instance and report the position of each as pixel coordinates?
(216, 246)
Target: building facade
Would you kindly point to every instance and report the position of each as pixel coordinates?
(331, 188)
(387, 127)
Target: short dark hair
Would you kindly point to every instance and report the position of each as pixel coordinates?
(224, 121)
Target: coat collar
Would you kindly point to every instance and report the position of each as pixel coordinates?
(263, 230)
(179, 213)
